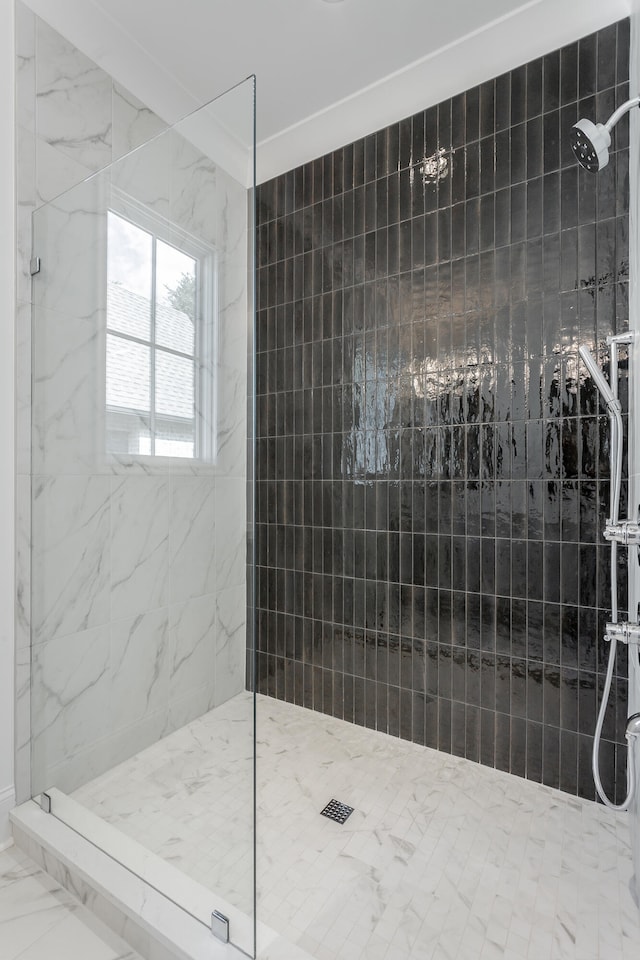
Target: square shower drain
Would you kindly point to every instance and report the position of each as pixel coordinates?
(337, 811)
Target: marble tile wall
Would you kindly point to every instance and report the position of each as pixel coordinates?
(432, 461)
(131, 587)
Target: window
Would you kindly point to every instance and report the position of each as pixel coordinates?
(159, 352)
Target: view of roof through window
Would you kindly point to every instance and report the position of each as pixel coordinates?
(151, 340)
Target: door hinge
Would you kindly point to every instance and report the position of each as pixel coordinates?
(220, 926)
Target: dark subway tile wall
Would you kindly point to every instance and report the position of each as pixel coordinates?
(432, 459)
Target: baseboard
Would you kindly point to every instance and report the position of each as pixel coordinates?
(7, 803)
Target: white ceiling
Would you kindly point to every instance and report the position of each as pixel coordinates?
(307, 54)
(326, 72)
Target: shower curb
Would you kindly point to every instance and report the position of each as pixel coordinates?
(146, 920)
(150, 923)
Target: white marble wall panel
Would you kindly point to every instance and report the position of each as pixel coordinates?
(232, 422)
(70, 556)
(23, 640)
(68, 401)
(25, 67)
(144, 176)
(192, 627)
(194, 198)
(55, 172)
(122, 549)
(192, 538)
(25, 192)
(23, 725)
(231, 555)
(190, 706)
(139, 667)
(73, 100)
(231, 225)
(70, 238)
(230, 642)
(133, 123)
(140, 509)
(103, 754)
(69, 706)
(23, 388)
(23, 562)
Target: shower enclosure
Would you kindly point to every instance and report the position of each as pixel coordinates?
(431, 479)
(143, 308)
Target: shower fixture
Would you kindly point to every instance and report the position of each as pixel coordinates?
(626, 533)
(590, 141)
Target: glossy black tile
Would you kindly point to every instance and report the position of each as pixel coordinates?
(432, 473)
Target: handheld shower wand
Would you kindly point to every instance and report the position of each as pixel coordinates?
(590, 141)
(609, 395)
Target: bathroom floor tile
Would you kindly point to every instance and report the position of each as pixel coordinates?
(441, 858)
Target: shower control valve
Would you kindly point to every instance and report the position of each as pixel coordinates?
(624, 531)
(624, 632)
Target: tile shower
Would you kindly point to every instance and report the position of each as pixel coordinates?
(431, 479)
(433, 462)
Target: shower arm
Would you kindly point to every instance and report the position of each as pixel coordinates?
(620, 112)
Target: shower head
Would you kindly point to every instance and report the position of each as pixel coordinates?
(590, 142)
(598, 377)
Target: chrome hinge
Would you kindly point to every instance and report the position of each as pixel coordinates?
(624, 531)
(220, 926)
(624, 632)
(34, 266)
(45, 802)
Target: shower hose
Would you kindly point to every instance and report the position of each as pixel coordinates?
(615, 485)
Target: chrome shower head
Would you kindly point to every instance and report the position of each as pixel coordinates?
(590, 142)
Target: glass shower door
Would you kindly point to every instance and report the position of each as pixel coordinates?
(141, 685)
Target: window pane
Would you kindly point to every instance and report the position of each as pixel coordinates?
(175, 298)
(128, 433)
(129, 277)
(128, 375)
(174, 387)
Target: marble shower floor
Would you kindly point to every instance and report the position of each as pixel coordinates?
(39, 920)
(441, 859)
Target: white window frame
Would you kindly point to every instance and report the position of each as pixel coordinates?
(205, 330)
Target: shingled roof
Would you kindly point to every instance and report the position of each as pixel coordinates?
(127, 362)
